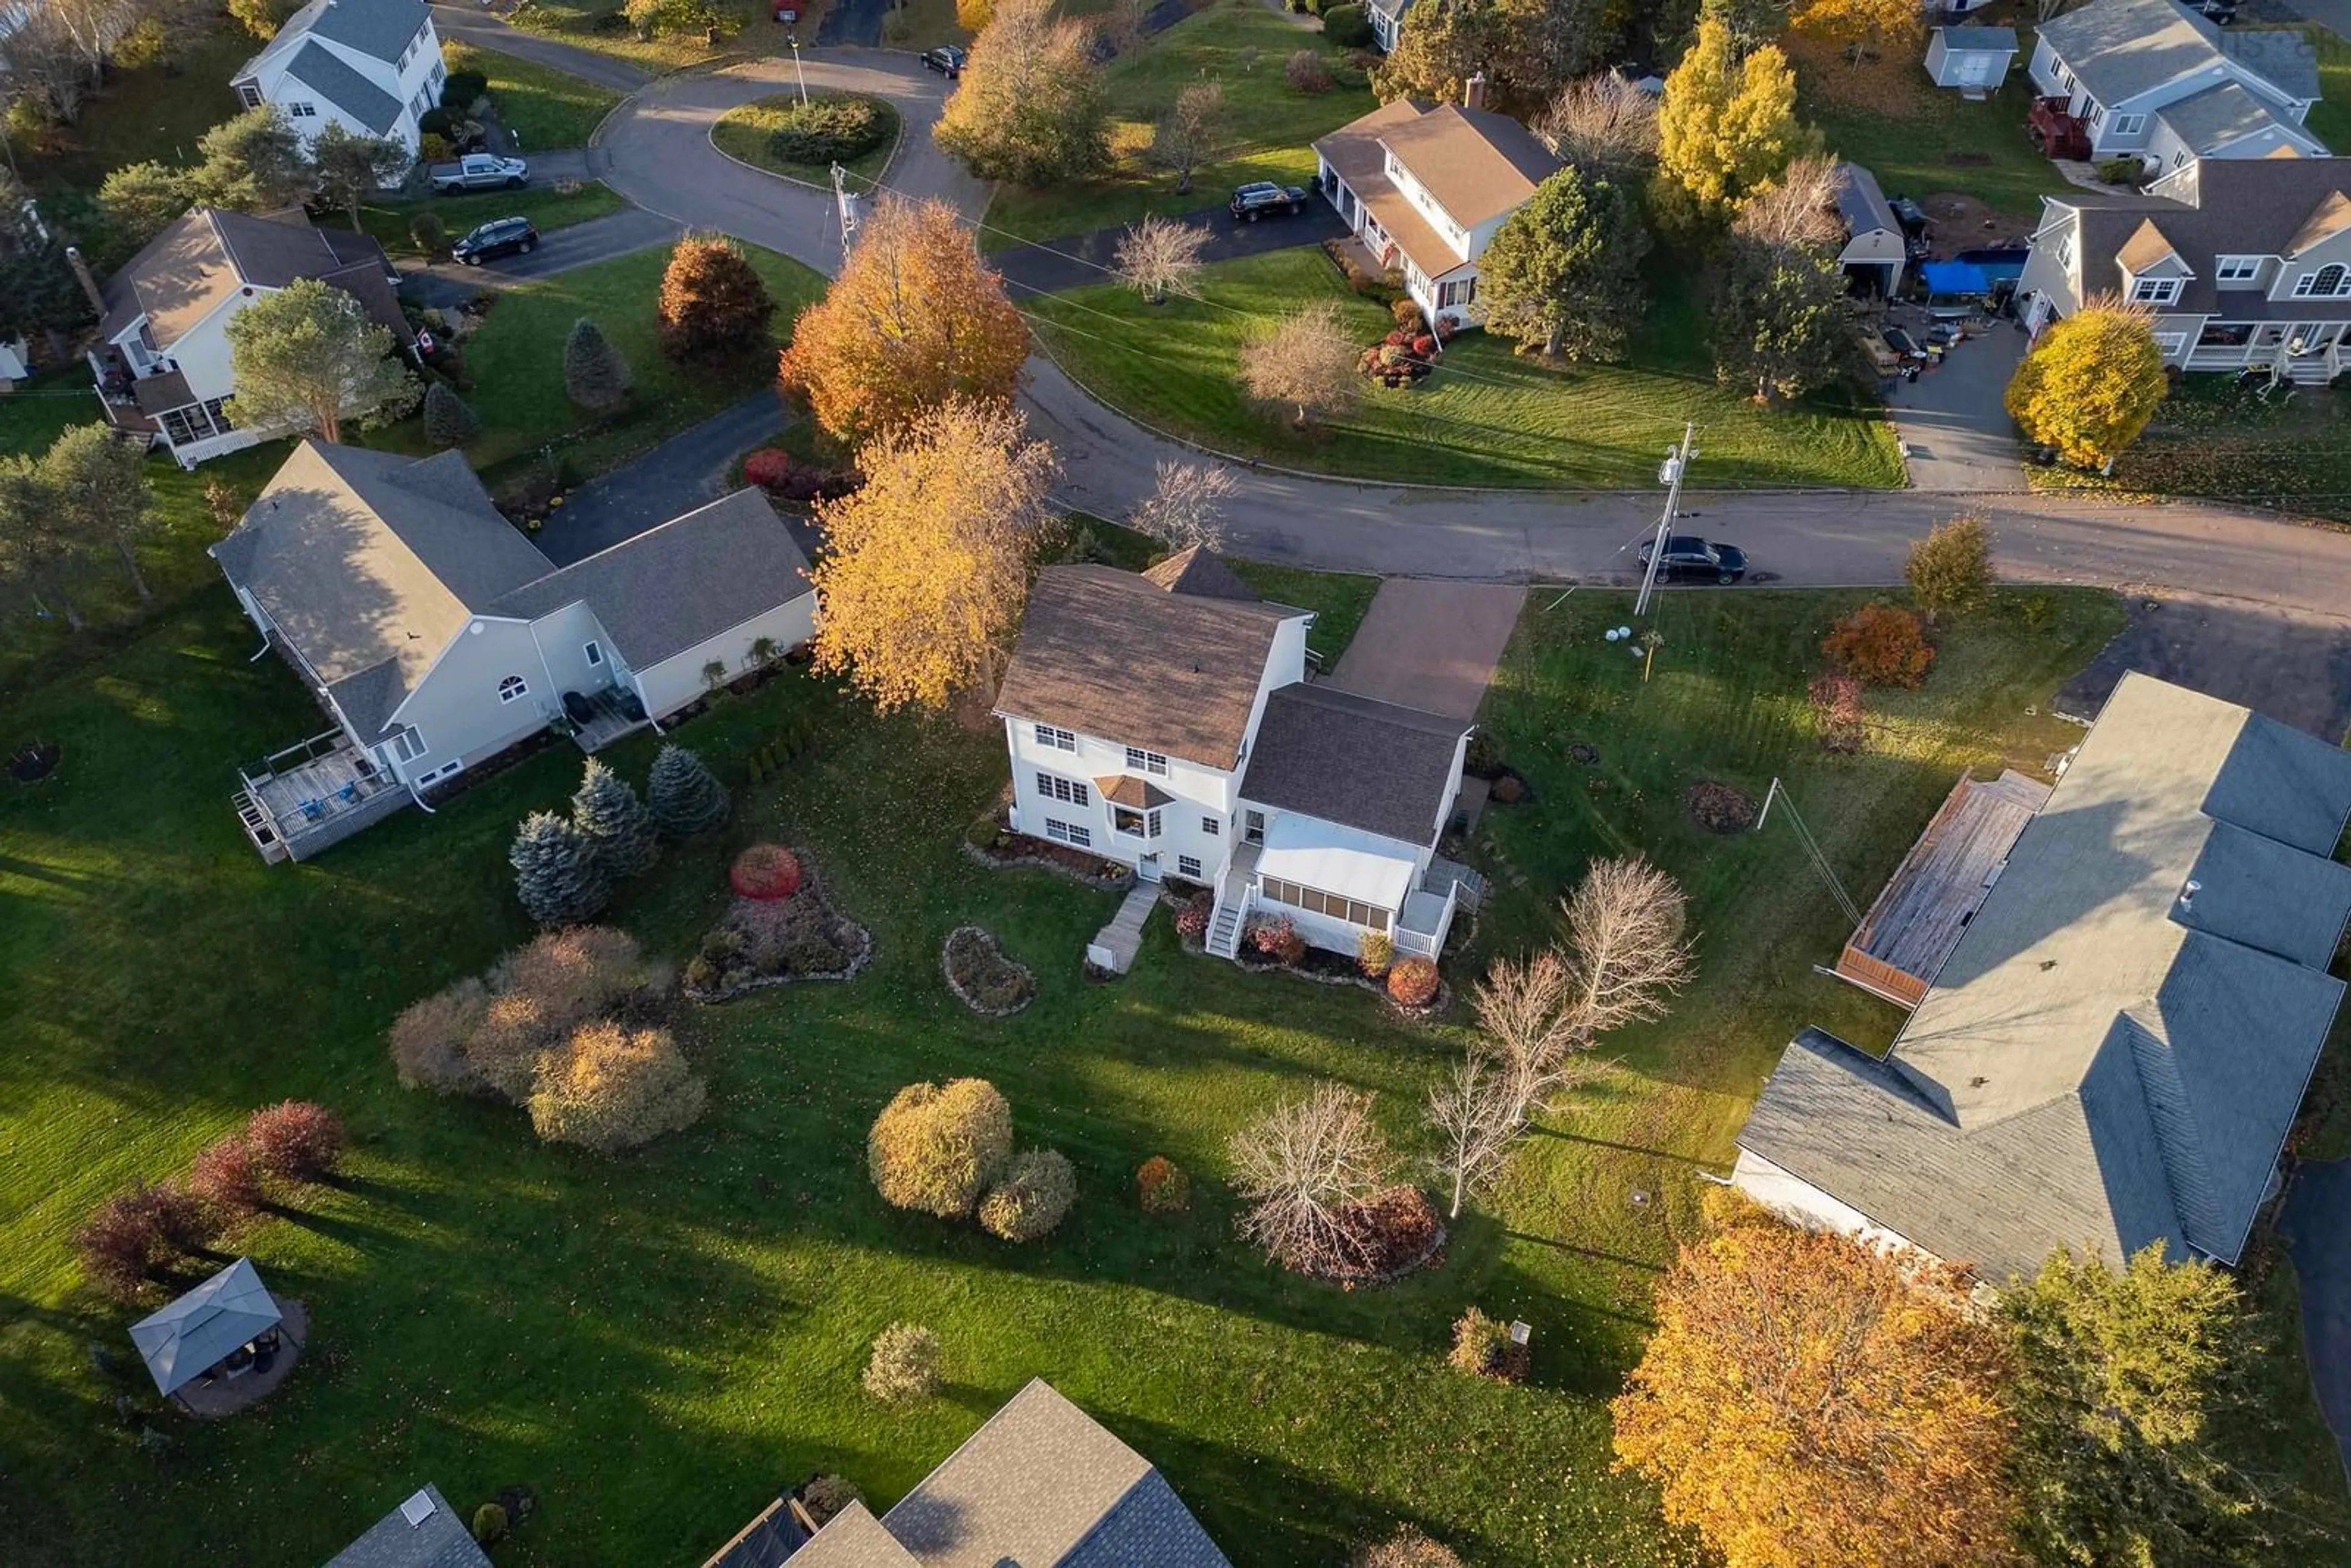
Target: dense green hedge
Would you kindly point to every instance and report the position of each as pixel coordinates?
(831, 130)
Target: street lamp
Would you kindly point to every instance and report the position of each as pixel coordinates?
(793, 39)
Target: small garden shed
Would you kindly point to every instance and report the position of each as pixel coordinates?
(1973, 59)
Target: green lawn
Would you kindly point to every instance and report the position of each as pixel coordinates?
(596, 25)
(1485, 418)
(550, 207)
(1919, 139)
(743, 131)
(158, 111)
(2217, 441)
(2330, 117)
(655, 1345)
(543, 107)
(1269, 126)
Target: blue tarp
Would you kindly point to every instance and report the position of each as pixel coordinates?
(1955, 277)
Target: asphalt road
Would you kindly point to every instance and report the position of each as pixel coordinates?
(447, 283)
(473, 25)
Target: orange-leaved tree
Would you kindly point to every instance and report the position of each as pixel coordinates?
(714, 309)
(1808, 1400)
(2092, 382)
(1861, 27)
(915, 318)
(928, 565)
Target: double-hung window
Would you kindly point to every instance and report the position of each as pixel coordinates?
(1069, 833)
(1057, 739)
(407, 746)
(594, 652)
(2155, 290)
(2130, 124)
(1212, 826)
(1146, 761)
(2237, 270)
(302, 111)
(1064, 789)
(1188, 866)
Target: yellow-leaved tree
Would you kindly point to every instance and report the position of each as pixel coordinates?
(927, 565)
(2092, 382)
(1728, 125)
(914, 318)
(1862, 27)
(1808, 1402)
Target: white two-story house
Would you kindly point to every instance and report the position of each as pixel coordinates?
(2150, 79)
(2244, 263)
(1425, 188)
(435, 637)
(373, 66)
(1165, 721)
(161, 358)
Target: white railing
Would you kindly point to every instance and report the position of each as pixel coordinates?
(1427, 943)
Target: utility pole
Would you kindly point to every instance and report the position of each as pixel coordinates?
(794, 40)
(846, 200)
(1669, 475)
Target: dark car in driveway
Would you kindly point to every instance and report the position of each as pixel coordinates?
(1251, 203)
(500, 236)
(1690, 558)
(946, 59)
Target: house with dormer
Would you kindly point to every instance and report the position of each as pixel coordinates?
(2154, 81)
(373, 66)
(2113, 1052)
(1165, 721)
(2245, 265)
(1424, 186)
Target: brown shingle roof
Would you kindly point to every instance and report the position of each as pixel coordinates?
(207, 253)
(2145, 247)
(1356, 761)
(1135, 794)
(1107, 653)
(1474, 163)
(1199, 570)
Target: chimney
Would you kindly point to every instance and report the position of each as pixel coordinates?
(1473, 92)
(89, 283)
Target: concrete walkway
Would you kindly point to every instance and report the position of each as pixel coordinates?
(674, 477)
(1115, 945)
(1430, 644)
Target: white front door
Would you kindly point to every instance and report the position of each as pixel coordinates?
(1147, 868)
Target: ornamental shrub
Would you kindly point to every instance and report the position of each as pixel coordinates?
(1375, 951)
(227, 1174)
(1278, 939)
(461, 89)
(1405, 313)
(596, 375)
(1192, 920)
(1306, 72)
(1163, 1186)
(612, 1089)
(296, 1140)
(431, 235)
(429, 1039)
(903, 1366)
(1479, 1343)
(1407, 1548)
(826, 131)
(714, 309)
(1882, 645)
(559, 876)
(448, 421)
(1347, 27)
(825, 1496)
(1033, 1198)
(1412, 982)
(934, 1150)
(489, 1524)
(685, 798)
(764, 872)
(132, 1236)
(769, 467)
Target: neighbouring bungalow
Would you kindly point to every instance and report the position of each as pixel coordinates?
(162, 359)
(435, 635)
(1425, 187)
(2244, 264)
(2152, 81)
(2110, 1051)
(1165, 721)
(373, 66)
(424, 1532)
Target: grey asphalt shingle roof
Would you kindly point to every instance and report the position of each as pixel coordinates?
(1965, 40)
(344, 88)
(2218, 116)
(379, 29)
(2249, 206)
(2097, 1066)
(2120, 49)
(439, 1540)
(1862, 204)
(1352, 761)
(669, 587)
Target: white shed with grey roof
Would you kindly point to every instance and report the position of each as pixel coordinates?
(1973, 59)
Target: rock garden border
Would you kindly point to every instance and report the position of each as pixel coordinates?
(996, 946)
(812, 886)
(1025, 850)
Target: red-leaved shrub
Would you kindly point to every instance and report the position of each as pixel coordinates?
(129, 1239)
(1883, 644)
(1163, 1186)
(1424, 345)
(296, 1140)
(768, 468)
(764, 872)
(1837, 712)
(1278, 940)
(1412, 982)
(227, 1175)
(1192, 920)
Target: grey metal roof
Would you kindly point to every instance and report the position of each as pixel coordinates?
(198, 1332)
(436, 1539)
(2217, 116)
(1969, 40)
(380, 28)
(344, 88)
(1354, 761)
(674, 586)
(2110, 1056)
(1862, 204)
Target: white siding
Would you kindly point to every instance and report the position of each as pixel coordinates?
(418, 83)
(1199, 792)
(1794, 1198)
(676, 681)
(456, 708)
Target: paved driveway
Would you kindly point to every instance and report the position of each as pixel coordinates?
(1951, 420)
(2317, 1225)
(446, 283)
(1430, 644)
(2293, 665)
(674, 477)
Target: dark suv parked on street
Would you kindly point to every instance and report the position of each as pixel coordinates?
(1251, 203)
(500, 236)
(1690, 558)
(946, 59)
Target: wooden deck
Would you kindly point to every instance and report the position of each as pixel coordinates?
(1941, 883)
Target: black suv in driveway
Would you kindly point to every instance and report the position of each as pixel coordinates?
(1251, 203)
(501, 236)
(946, 59)
(1690, 558)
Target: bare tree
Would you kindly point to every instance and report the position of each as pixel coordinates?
(1532, 1012)
(1798, 210)
(1603, 125)
(1308, 361)
(1627, 950)
(1158, 255)
(1186, 135)
(1188, 507)
(1303, 1169)
(1470, 1111)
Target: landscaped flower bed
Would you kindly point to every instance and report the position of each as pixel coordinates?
(773, 940)
(1396, 1233)
(992, 844)
(982, 977)
(1316, 963)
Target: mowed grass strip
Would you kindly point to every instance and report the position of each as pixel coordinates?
(544, 108)
(1268, 131)
(1486, 417)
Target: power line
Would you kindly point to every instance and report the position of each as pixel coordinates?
(1810, 846)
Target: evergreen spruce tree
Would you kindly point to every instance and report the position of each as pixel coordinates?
(448, 421)
(557, 875)
(616, 822)
(685, 798)
(595, 376)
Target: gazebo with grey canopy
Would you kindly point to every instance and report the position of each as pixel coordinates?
(205, 1327)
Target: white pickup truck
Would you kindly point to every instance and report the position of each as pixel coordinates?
(479, 172)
